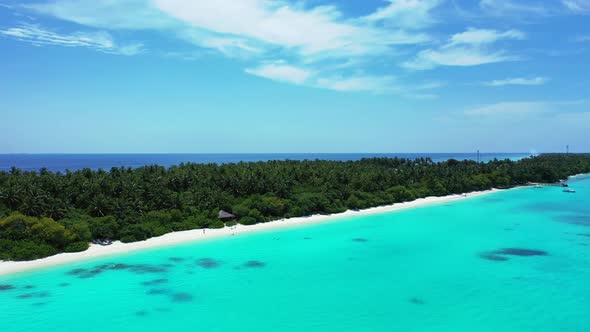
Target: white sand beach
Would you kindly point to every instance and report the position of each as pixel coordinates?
(95, 251)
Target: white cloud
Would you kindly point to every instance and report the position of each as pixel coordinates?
(577, 6)
(98, 40)
(508, 7)
(518, 81)
(105, 14)
(460, 57)
(483, 36)
(130, 49)
(359, 82)
(324, 47)
(317, 32)
(330, 46)
(408, 14)
(531, 9)
(468, 48)
(377, 84)
(229, 46)
(283, 72)
(521, 108)
(280, 71)
(314, 31)
(320, 37)
(510, 108)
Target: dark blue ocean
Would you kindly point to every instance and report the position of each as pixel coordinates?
(61, 162)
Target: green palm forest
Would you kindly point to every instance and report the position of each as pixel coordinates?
(44, 213)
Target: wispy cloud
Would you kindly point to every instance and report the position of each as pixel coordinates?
(582, 38)
(534, 8)
(376, 84)
(319, 31)
(408, 14)
(577, 6)
(284, 72)
(510, 108)
(281, 71)
(320, 39)
(105, 14)
(430, 59)
(323, 47)
(98, 40)
(521, 108)
(468, 48)
(479, 37)
(510, 7)
(518, 81)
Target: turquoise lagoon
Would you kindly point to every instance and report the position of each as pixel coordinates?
(517, 260)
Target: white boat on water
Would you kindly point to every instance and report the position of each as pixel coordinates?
(569, 191)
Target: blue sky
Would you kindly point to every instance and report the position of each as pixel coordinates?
(294, 76)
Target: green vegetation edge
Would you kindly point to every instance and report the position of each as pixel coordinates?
(44, 213)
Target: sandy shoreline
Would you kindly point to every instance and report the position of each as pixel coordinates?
(96, 251)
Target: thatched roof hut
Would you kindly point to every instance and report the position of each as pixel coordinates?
(226, 216)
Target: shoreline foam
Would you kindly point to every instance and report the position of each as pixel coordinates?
(97, 251)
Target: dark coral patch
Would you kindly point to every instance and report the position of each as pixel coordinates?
(520, 252)
(417, 301)
(182, 297)
(146, 268)
(29, 287)
(86, 273)
(500, 255)
(208, 263)
(155, 282)
(36, 295)
(141, 313)
(90, 274)
(359, 239)
(64, 284)
(76, 272)
(176, 259)
(587, 235)
(580, 220)
(118, 267)
(39, 304)
(490, 256)
(25, 296)
(137, 269)
(307, 238)
(6, 287)
(157, 291)
(254, 264)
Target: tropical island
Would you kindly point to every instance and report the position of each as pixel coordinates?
(45, 213)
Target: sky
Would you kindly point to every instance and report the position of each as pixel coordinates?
(263, 76)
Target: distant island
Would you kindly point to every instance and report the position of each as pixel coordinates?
(44, 213)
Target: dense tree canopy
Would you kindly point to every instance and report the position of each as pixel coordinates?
(44, 212)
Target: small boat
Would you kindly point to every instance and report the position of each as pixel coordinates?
(563, 184)
(569, 191)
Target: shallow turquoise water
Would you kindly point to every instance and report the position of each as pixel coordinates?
(436, 268)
